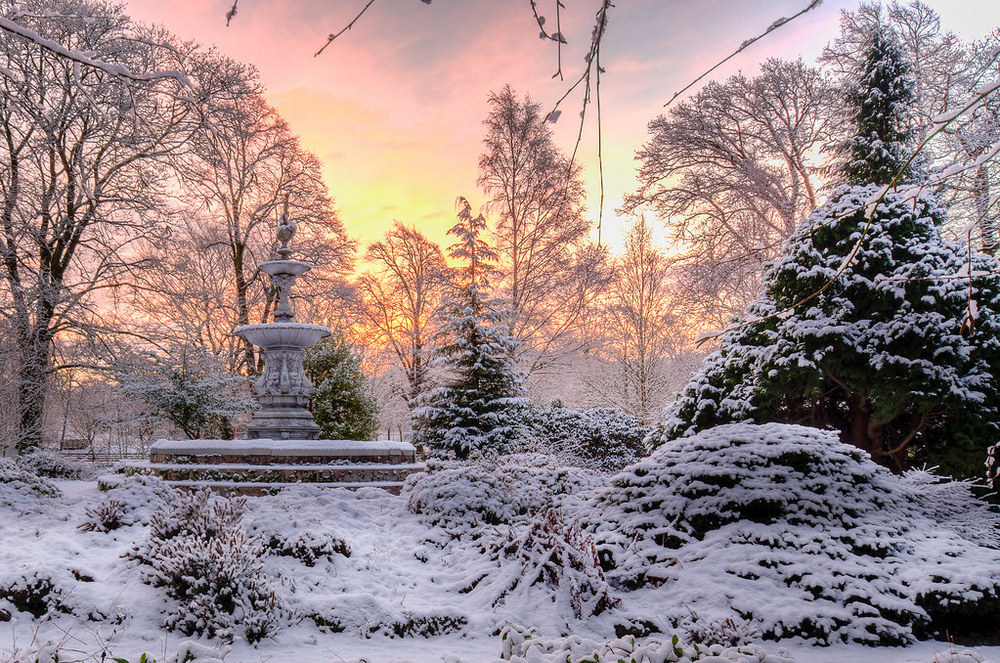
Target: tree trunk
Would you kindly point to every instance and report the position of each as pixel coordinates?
(859, 418)
(32, 386)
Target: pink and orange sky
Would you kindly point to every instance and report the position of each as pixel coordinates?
(394, 108)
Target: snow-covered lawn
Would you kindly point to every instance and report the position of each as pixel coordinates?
(470, 559)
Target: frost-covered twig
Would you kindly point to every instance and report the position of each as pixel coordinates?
(746, 44)
(332, 37)
(80, 57)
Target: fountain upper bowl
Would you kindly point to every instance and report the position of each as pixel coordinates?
(282, 334)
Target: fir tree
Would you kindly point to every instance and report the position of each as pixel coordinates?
(880, 100)
(866, 323)
(342, 404)
(475, 406)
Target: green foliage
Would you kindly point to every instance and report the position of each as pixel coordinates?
(898, 351)
(880, 99)
(342, 404)
(870, 322)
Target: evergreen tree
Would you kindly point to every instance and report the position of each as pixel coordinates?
(475, 406)
(342, 404)
(870, 322)
(880, 99)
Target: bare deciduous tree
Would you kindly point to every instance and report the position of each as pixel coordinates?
(641, 328)
(549, 275)
(401, 295)
(80, 172)
(733, 169)
(245, 168)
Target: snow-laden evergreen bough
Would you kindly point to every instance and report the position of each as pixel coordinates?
(791, 531)
(872, 324)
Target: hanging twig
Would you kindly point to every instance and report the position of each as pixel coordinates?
(771, 28)
(344, 29)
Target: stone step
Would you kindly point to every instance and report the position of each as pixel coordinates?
(279, 473)
(281, 452)
(256, 489)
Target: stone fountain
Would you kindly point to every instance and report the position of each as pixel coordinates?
(281, 446)
(283, 388)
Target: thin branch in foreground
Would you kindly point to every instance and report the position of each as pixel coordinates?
(771, 28)
(347, 27)
(232, 12)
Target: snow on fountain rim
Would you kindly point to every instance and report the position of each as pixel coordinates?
(269, 447)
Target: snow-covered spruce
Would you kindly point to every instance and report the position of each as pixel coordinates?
(885, 350)
(474, 407)
(788, 529)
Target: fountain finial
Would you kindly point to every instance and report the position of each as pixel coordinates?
(286, 230)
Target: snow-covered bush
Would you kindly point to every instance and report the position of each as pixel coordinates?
(597, 438)
(46, 589)
(286, 533)
(521, 645)
(198, 552)
(18, 483)
(550, 554)
(365, 615)
(307, 546)
(35, 593)
(466, 498)
(788, 529)
(45, 463)
(133, 500)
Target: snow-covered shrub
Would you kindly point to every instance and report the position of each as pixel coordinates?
(17, 483)
(47, 589)
(105, 516)
(35, 593)
(597, 438)
(551, 554)
(788, 529)
(466, 498)
(198, 552)
(45, 463)
(521, 645)
(365, 615)
(133, 500)
(308, 546)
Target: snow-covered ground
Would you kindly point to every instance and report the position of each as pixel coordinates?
(422, 582)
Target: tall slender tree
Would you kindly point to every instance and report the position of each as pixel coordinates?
(481, 389)
(401, 296)
(547, 274)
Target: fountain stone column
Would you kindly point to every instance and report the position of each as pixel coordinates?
(283, 389)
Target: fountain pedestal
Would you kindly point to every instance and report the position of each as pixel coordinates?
(281, 446)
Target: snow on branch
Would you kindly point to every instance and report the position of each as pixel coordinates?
(82, 58)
